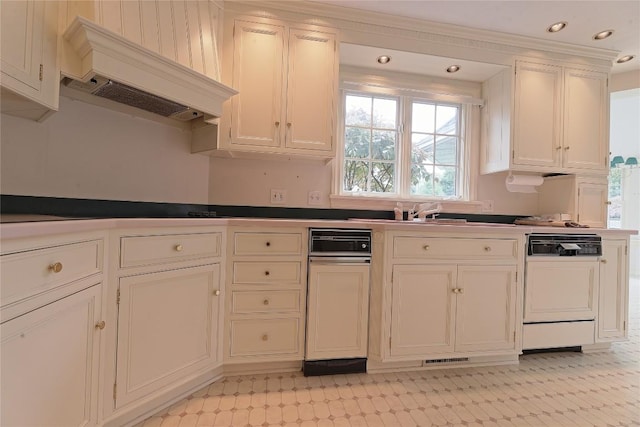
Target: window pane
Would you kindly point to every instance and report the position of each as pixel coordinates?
(422, 179)
(382, 177)
(445, 181)
(357, 142)
(358, 110)
(447, 120)
(384, 113)
(446, 147)
(384, 145)
(421, 148)
(422, 118)
(355, 175)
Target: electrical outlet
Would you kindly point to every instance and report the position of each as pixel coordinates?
(487, 206)
(278, 197)
(314, 198)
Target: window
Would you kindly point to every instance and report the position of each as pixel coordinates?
(402, 146)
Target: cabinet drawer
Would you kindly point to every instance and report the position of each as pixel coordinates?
(267, 244)
(265, 337)
(26, 274)
(458, 248)
(137, 251)
(252, 272)
(244, 302)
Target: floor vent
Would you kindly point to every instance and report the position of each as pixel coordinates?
(451, 360)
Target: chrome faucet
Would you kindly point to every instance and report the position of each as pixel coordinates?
(432, 209)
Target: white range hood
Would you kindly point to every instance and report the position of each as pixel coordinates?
(112, 67)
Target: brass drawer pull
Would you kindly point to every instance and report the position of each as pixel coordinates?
(268, 243)
(55, 267)
(100, 325)
(266, 301)
(216, 292)
(266, 273)
(425, 247)
(487, 248)
(604, 261)
(178, 248)
(265, 337)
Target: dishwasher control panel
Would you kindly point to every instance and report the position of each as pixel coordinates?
(564, 245)
(339, 242)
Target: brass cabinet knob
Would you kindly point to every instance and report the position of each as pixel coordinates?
(277, 123)
(487, 248)
(266, 273)
(425, 247)
(454, 290)
(559, 147)
(460, 290)
(100, 325)
(608, 202)
(266, 301)
(216, 292)
(604, 261)
(268, 243)
(55, 267)
(289, 124)
(265, 337)
(566, 148)
(178, 248)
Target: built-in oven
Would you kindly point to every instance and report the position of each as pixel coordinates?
(337, 301)
(561, 289)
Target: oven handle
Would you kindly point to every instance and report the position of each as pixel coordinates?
(339, 260)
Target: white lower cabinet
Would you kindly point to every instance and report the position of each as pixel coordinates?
(613, 303)
(447, 308)
(337, 311)
(167, 328)
(50, 363)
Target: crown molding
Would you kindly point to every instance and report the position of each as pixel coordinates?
(364, 27)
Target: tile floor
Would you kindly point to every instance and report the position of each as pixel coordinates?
(551, 389)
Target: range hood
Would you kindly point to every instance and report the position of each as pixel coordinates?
(112, 67)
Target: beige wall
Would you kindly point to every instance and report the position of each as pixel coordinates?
(86, 151)
(625, 81)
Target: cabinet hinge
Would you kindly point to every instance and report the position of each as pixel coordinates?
(389, 342)
(516, 277)
(624, 325)
(514, 336)
(115, 388)
(626, 248)
(578, 192)
(513, 154)
(118, 297)
(41, 71)
(229, 134)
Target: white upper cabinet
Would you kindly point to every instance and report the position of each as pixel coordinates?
(287, 78)
(558, 120)
(30, 71)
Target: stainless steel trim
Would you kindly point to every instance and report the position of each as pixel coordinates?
(337, 260)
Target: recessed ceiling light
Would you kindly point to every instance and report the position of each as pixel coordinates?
(384, 59)
(625, 58)
(602, 34)
(554, 28)
(453, 68)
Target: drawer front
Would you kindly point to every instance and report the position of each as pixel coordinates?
(138, 251)
(26, 274)
(244, 302)
(440, 248)
(267, 244)
(265, 337)
(251, 272)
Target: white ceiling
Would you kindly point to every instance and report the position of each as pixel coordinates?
(522, 17)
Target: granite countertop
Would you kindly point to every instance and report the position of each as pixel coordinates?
(19, 226)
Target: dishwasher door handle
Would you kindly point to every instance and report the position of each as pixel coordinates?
(339, 260)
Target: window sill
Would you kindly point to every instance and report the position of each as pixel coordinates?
(386, 203)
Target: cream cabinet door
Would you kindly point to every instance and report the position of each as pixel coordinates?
(614, 288)
(592, 204)
(422, 310)
(337, 311)
(485, 308)
(258, 67)
(585, 124)
(167, 329)
(28, 36)
(49, 362)
(311, 90)
(537, 112)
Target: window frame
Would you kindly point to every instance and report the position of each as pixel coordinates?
(412, 87)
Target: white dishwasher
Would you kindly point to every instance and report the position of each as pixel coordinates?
(337, 301)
